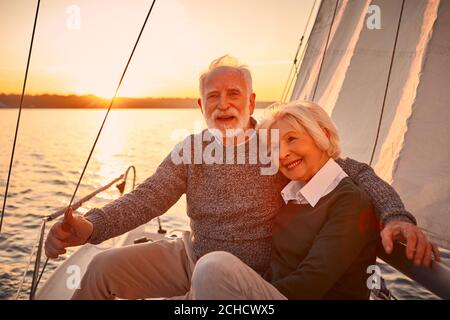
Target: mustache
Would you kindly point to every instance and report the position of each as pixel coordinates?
(231, 112)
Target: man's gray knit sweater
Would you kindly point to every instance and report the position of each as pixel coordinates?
(231, 206)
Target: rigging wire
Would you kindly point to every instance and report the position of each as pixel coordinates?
(34, 289)
(325, 50)
(23, 280)
(387, 82)
(103, 123)
(19, 114)
(37, 261)
(296, 71)
(38, 242)
(110, 106)
(291, 76)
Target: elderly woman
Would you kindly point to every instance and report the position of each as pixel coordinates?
(325, 237)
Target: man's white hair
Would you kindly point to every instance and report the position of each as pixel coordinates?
(311, 117)
(227, 61)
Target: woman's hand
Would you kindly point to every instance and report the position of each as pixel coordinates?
(418, 248)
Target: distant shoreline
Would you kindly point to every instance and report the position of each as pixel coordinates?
(46, 101)
(97, 108)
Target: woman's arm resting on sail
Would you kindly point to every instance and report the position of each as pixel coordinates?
(397, 222)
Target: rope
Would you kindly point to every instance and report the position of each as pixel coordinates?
(37, 262)
(325, 51)
(297, 68)
(56, 214)
(103, 123)
(110, 105)
(80, 202)
(40, 276)
(289, 81)
(387, 82)
(18, 116)
(23, 280)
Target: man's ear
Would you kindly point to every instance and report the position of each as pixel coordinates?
(252, 102)
(199, 102)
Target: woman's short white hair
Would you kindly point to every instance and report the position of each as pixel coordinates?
(311, 117)
(227, 61)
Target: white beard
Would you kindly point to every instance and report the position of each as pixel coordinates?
(240, 126)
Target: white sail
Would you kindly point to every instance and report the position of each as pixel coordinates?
(405, 132)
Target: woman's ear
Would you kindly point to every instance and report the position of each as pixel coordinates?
(327, 133)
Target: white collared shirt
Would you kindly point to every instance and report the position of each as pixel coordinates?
(323, 182)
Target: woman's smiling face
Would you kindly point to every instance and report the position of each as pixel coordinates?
(300, 157)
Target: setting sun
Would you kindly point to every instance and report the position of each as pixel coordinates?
(81, 46)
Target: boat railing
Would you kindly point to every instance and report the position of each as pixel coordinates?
(436, 278)
(38, 245)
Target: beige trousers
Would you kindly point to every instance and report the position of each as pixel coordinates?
(168, 269)
(220, 275)
(161, 269)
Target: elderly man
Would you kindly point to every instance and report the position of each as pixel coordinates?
(231, 207)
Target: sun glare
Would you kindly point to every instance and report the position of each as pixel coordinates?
(180, 40)
(100, 90)
(111, 146)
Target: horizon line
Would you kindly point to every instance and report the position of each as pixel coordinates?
(103, 98)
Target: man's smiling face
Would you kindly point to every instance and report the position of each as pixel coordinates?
(226, 101)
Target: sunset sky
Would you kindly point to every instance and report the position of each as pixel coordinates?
(181, 38)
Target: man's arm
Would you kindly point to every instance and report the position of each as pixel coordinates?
(397, 223)
(386, 201)
(150, 199)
